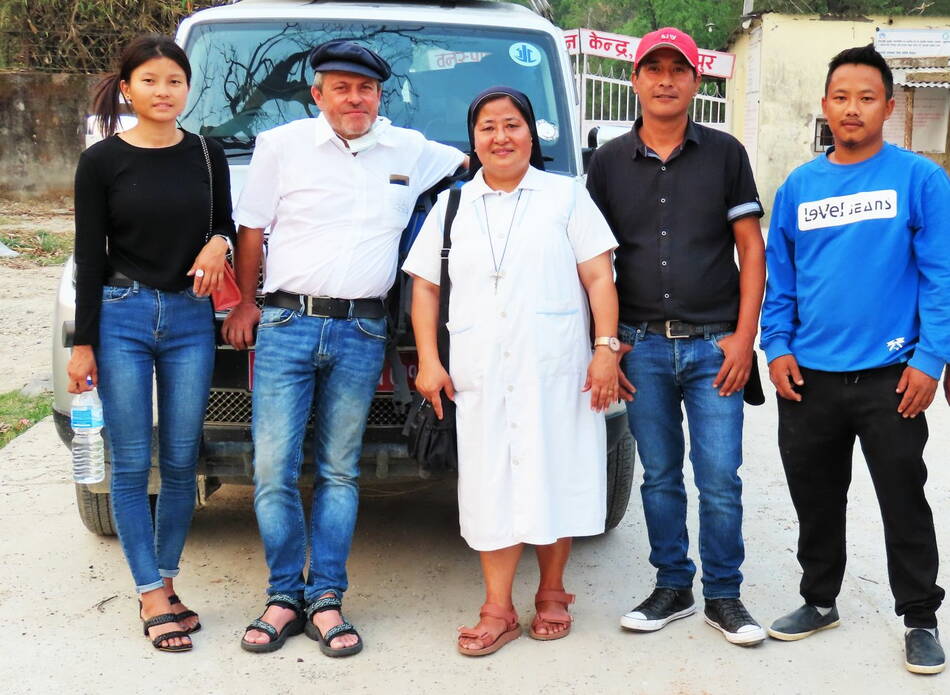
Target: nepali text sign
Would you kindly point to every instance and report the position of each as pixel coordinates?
(620, 47)
(444, 60)
(913, 43)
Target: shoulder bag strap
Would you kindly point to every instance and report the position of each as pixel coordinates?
(204, 148)
(445, 285)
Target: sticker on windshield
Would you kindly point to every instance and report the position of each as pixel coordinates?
(547, 131)
(525, 54)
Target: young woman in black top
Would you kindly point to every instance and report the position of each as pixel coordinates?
(148, 254)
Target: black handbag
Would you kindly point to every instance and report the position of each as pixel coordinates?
(432, 442)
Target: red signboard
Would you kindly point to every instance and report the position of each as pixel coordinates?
(620, 47)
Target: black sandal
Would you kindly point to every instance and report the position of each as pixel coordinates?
(331, 603)
(277, 639)
(173, 599)
(163, 619)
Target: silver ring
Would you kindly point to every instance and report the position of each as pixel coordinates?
(200, 273)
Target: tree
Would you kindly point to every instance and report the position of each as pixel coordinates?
(82, 35)
(710, 22)
(855, 8)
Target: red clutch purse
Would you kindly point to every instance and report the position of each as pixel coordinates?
(230, 294)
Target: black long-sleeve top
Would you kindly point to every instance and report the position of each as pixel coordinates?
(143, 212)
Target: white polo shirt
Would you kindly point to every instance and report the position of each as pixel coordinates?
(335, 219)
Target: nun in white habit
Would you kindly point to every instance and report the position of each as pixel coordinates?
(530, 261)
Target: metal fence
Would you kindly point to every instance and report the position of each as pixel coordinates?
(608, 98)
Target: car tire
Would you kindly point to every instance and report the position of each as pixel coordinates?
(620, 465)
(95, 510)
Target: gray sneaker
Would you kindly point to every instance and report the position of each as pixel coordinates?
(803, 622)
(922, 652)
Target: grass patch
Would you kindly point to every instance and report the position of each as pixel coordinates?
(18, 413)
(41, 246)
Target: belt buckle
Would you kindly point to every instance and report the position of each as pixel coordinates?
(669, 330)
(308, 305)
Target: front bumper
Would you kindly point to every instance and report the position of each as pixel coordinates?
(227, 450)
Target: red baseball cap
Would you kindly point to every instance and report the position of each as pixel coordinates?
(668, 37)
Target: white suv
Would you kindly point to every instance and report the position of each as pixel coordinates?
(250, 73)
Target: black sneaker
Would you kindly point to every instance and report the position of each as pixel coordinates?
(922, 651)
(730, 617)
(660, 608)
(802, 622)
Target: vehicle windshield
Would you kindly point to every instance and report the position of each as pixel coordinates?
(249, 77)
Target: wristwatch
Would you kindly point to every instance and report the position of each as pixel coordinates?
(609, 341)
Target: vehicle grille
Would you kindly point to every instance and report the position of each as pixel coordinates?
(228, 407)
(233, 407)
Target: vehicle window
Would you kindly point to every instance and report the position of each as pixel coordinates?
(249, 77)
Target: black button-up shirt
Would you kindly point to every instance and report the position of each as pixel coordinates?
(673, 221)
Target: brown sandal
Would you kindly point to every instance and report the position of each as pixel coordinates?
(543, 617)
(491, 610)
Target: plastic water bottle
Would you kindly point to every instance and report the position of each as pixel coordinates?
(86, 420)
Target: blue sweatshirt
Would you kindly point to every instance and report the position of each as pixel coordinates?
(859, 265)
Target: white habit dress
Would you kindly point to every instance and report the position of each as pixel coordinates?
(532, 454)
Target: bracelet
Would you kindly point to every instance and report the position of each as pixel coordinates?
(227, 240)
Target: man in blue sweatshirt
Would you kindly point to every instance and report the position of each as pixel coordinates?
(856, 329)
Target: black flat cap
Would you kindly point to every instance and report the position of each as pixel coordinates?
(346, 56)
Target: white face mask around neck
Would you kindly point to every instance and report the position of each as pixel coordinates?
(369, 139)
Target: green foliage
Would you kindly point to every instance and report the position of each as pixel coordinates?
(853, 8)
(82, 35)
(18, 413)
(710, 22)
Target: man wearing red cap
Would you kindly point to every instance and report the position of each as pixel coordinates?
(681, 200)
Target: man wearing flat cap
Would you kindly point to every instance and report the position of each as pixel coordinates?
(336, 192)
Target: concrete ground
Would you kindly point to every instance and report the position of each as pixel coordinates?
(70, 623)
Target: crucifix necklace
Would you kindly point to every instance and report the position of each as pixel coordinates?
(498, 274)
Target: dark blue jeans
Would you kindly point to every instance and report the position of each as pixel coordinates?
(331, 366)
(668, 375)
(145, 332)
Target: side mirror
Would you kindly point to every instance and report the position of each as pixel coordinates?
(598, 136)
(587, 152)
(592, 141)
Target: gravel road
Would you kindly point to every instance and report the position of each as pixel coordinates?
(69, 616)
(27, 291)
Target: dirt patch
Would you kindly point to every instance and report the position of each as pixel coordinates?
(28, 289)
(42, 233)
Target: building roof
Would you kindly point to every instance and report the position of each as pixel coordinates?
(921, 72)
